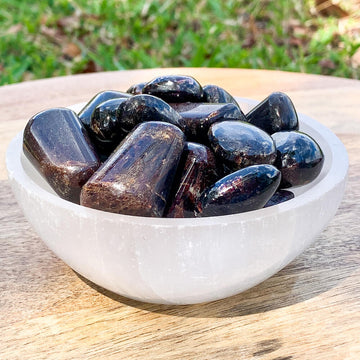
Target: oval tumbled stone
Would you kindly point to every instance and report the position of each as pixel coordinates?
(58, 145)
(275, 113)
(142, 108)
(299, 158)
(137, 177)
(174, 88)
(239, 144)
(243, 190)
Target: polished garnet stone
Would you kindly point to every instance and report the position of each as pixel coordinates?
(275, 113)
(197, 172)
(86, 112)
(142, 108)
(243, 190)
(58, 145)
(175, 88)
(196, 120)
(104, 125)
(137, 177)
(238, 144)
(299, 158)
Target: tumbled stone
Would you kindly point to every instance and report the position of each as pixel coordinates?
(58, 145)
(216, 94)
(175, 88)
(142, 108)
(275, 113)
(243, 190)
(238, 144)
(137, 177)
(196, 120)
(197, 172)
(136, 89)
(86, 112)
(279, 197)
(105, 125)
(299, 158)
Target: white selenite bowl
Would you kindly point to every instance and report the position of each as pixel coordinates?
(182, 261)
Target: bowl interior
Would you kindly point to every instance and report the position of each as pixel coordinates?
(325, 138)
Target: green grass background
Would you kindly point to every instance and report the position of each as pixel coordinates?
(57, 37)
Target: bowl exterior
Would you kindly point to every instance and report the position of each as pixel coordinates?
(178, 261)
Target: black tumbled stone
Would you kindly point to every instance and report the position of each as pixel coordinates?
(238, 144)
(86, 112)
(299, 158)
(244, 190)
(273, 114)
(196, 120)
(105, 125)
(216, 94)
(142, 108)
(175, 88)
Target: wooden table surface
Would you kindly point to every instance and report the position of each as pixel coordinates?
(309, 310)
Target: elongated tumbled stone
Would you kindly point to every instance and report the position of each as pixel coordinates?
(197, 172)
(243, 190)
(86, 112)
(142, 108)
(105, 125)
(279, 197)
(175, 88)
(238, 144)
(216, 94)
(196, 120)
(299, 158)
(136, 89)
(58, 145)
(275, 113)
(137, 177)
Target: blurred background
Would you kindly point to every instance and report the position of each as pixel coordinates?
(58, 37)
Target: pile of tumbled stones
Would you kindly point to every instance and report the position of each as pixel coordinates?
(172, 148)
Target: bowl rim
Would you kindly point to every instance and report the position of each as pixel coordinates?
(337, 172)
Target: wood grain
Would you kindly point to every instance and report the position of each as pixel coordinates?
(309, 310)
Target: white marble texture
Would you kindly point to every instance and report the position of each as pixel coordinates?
(182, 261)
